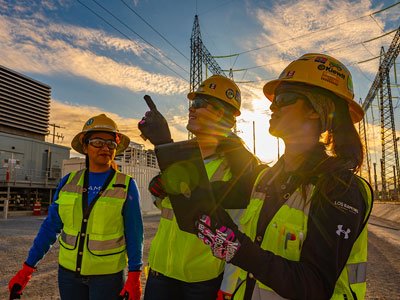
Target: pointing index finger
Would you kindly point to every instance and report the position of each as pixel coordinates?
(150, 102)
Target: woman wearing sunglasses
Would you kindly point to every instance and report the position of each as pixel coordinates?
(304, 233)
(97, 219)
(181, 266)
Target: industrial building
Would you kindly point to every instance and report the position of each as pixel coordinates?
(30, 167)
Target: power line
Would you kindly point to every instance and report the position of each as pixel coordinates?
(316, 31)
(327, 50)
(162, 36)
(361, 43)
(134, 32)
(108, 23)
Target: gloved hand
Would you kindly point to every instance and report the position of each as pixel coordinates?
(153, 125)
(132, 289)
(223, 241)
(156, 187)
(223, 295)
(19, 281)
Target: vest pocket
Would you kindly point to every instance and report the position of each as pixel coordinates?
(66, 207)
(106, 218)
(68, 241)
(284, 239)
(108, 246)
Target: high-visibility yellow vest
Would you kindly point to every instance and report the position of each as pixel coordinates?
(181, 255)
(293, 217)
(94, 245)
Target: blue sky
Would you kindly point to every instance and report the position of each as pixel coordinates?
(96, 66)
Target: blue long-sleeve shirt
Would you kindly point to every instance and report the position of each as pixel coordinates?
(52, 225)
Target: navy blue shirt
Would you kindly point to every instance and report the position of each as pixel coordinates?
(52, 225)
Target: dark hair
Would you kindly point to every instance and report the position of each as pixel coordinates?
(346, 142)
(343, 140)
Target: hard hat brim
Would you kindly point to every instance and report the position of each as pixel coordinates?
(356, 111)
(193, 95)
(77, 143)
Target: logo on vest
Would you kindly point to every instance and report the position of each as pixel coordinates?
(340, 230)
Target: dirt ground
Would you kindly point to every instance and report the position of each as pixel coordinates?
(17, 234)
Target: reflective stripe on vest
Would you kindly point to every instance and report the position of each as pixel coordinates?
(104, 250)
(357, 273)
(106, 245)
(176, 253)
(69, 239)
(167, 213)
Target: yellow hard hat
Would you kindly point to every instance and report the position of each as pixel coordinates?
(100, 123)
(323, 71)
(222, 88)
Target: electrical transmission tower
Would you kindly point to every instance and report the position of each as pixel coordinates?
(390, 171)
(199, 56)
(363, 136)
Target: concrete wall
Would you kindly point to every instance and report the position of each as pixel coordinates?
(387, 210)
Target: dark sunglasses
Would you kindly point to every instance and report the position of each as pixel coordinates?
(201, 103)
(285, 99)
(99, 143)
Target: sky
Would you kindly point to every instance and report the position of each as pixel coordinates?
(103, 56)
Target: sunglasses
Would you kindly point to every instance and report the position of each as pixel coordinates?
(201, 103)
(99, 143)
(285, 99)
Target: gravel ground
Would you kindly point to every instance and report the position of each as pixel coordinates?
(17, 234)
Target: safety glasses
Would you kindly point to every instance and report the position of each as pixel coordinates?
(99, 143)
(201, 103)
(289, 98)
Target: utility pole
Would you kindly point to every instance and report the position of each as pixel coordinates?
(279, 155)
(54, 134)
(254, 137)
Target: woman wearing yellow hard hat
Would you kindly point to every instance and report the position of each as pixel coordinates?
(181, 267)
(97, 219)
(304, 233)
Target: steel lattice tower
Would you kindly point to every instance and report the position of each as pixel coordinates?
(363, 136)
(390, 158)
(200, 55)
(389, 162)
(196, 73)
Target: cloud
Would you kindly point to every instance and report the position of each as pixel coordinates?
(32, 45)
(317, 23)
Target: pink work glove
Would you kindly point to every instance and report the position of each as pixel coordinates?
(223, 241)
(132, 289)
(19, 281)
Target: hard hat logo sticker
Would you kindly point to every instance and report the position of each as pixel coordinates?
(238, 97)
(330, 78)
(320, 59)
(290, 74)
(89, 122)
(229, 93)
(212, 86)
(332, 70)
